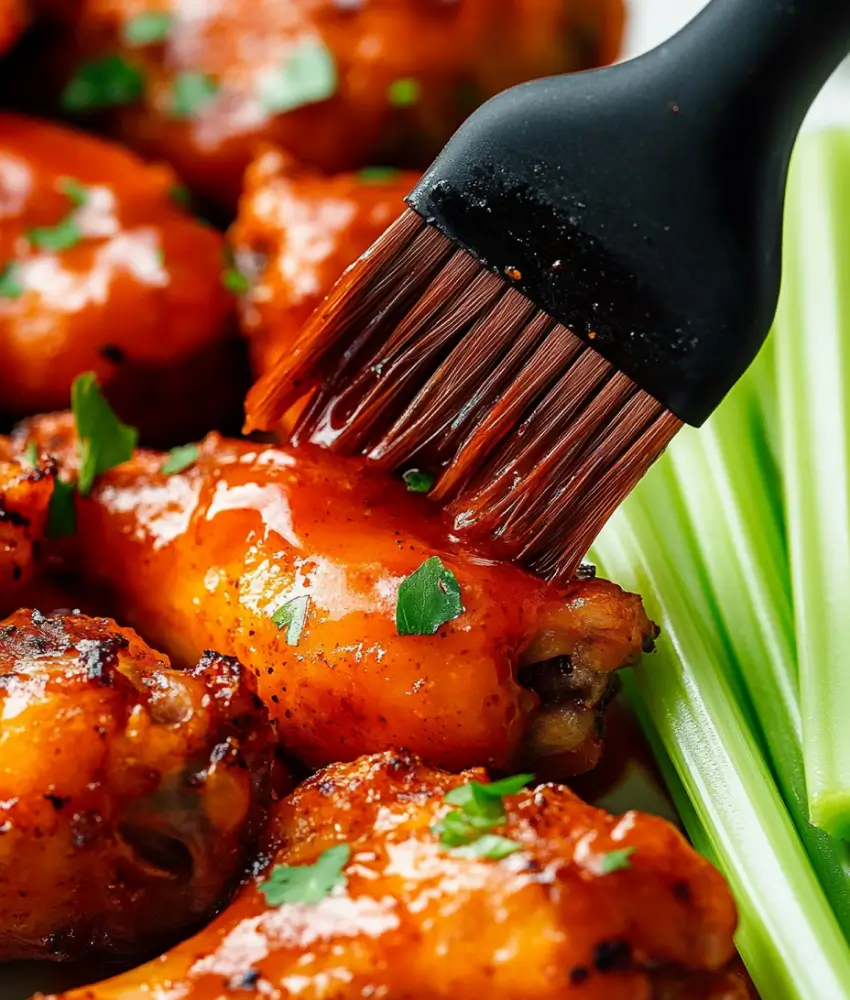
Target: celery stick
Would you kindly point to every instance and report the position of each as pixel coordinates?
(790, 939)
(813, 366)
(727, 495)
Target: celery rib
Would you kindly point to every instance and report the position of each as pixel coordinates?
(813, 370)
(789, 936)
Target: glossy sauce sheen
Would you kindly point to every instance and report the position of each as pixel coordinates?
(414, 921)
(458, 54)
(296, 232)
(137, 299)
(202, 559)
(130, 793)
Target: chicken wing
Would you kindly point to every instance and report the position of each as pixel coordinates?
(296, 232)
(338, 84)
(410, 919)
(26, 486)
(101, 270)
(204, 558)
(131, 793)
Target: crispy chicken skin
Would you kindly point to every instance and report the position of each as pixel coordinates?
(130, 793)
(414, 921)
(296, 232)
(25, 491)
(317, 76)
(134, 295)
(202, 559)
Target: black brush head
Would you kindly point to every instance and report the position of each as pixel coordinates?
(641, 205)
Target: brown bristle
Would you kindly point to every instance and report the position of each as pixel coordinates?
(421, 356)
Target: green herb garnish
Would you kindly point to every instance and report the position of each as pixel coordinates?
(64, 235)
(308, 76)
(481, 808)
(76, 193)
(103, 83)
(62, 510)
(31, 454)
(427, 599)
(148, 28)
(307, 883)
(418, 481)
(615, 861)
(191, 92)
(235, 281)
(292, 616)
(404, 92)
(378, 175)
(179, 459)
(103, 440)
(180, 195)
(10, 281)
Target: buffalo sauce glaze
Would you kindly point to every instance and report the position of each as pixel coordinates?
(203, 559)
(103, 271)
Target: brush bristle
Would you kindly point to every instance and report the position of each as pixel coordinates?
(421, 357)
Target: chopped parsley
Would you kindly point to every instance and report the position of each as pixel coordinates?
(308, 76)
(418, 481)
(191, 92)
(180, 195)
(179, 459)
(292, 616)
(404, 92)
(235, 281)
(427, 599)
(31, 454)
(103, 440)
(148, 28)
(62, 510)
(10, 281)
(307, 883)
(615, 861)
(64, 235)
(103, 83)
(466, 831)
(76, 193)
(378, 175)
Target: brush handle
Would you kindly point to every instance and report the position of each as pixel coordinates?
(641, 205)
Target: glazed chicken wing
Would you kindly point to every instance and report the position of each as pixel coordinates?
(338, 84)
(131, 793)
(413, 920)
(296, 232)
(204, 559)
(101, 270)
(26, 487)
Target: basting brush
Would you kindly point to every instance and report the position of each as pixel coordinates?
(591, 262)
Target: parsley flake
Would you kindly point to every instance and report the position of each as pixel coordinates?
(307, 883)
(31, 454)
(615, 861)
(10, 281)
(378, 175)
(191, 92)
(404, 92)
(489, 846)
(62, 510)
(179, 459)
(427, 599)
(103, 440)
(292, 616)
(418, 481)
(103, 83)
(76, 193)
(64, 235)
(235, 281)
(308, 76)
(180, 195)
(148, 28)
(481, 810)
